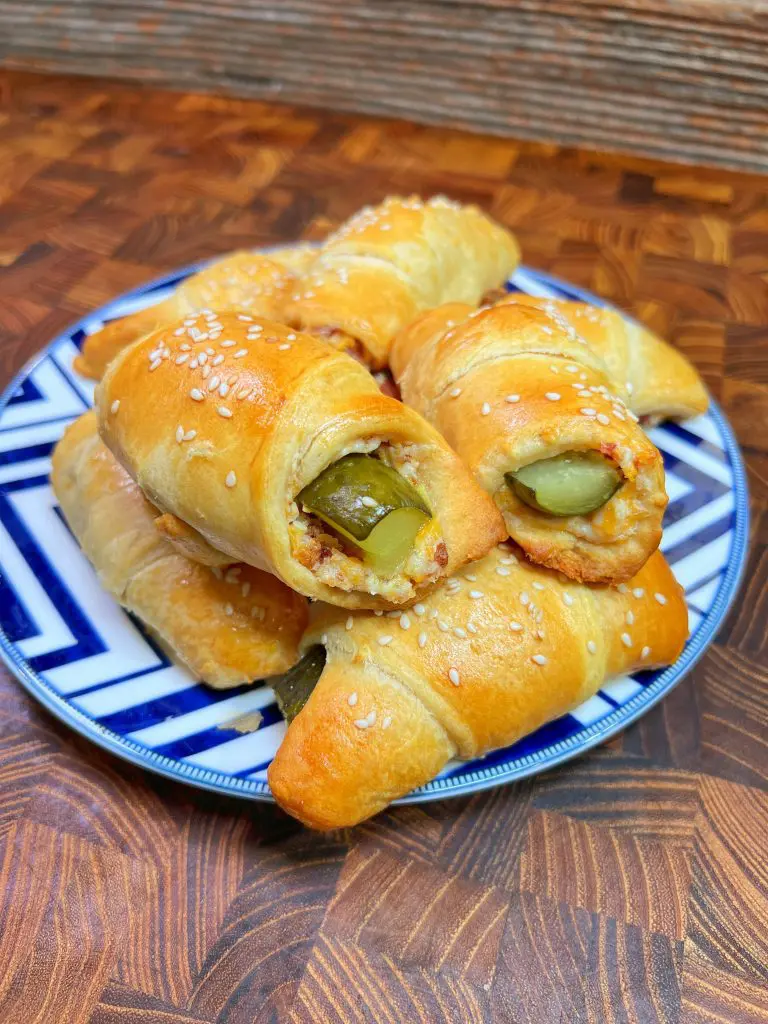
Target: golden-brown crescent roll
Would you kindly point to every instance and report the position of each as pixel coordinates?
(488, 658)
(391, 262)
(223, 420)
(513, 385)
(227, 628)
(659, 381)
(250, 281)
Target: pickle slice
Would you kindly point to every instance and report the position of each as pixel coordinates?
(371, 505)
(294, 687)
(571, 484)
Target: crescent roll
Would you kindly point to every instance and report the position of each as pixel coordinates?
(533, 411)
(391, 262)
(230, 423)
(659, 381)
(228, 629)
(243, 280)
(488, 658)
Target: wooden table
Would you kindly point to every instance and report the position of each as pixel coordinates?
(629, 886)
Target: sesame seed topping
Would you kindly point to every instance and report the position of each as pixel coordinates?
(218, 360)
(553, 396)
(240, 353)
(472, 627)
(454, 392)
(228, 344)
(422, 639)
(368, 501)
(525, 598)
(223, 389)
(591, 646)
(245, 589)
(387, 722)
(588, 412)
(361, 723)
(539, 659)
(434, 613)
(638, 592)
(224, 411)
(512, 399)
(284, 347)
(626, 639)
(502, 570)
(443, 626)
(630, 618)
(178, 332)
(485, 409)
(602, 418)
(231, 478)
(567, 599)
(460, 633)
(515, 626)
(350, 622)
(470, 576)
(419, 609)
(228, 609)
(190, 435)
(202, 358)
(405, 622)
(214, 382)
(660, 598)
(206, 371)
(196, 395)
(193, 364)
(538, 586)
(571, 369)
(624, 589)
(182, 358)
(384, 640)
(246, 319)
(645, 652)
(352, 699)
(115, 406)
(475, 594)
(179, 434)
(154, 364)
(453, 675)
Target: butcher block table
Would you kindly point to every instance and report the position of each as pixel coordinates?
(628, 886)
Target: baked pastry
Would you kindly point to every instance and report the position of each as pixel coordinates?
(281, 452)
(227, 628)
(391, 262)
(659, 381)
(251, 281)
(488, 658)
(533, 411)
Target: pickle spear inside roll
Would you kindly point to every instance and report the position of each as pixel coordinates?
(294, 687)
(571, 484)
(371, 506)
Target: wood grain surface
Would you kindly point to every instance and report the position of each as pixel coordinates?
(676, 79)
(629, 886)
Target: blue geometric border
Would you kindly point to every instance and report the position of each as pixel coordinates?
(482, 778)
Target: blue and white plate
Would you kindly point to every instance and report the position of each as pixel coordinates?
(93, 666)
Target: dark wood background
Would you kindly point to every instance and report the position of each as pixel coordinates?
(629, 887)
(676, 79)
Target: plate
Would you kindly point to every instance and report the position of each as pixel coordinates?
(94, 667)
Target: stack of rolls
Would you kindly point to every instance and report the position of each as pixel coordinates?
(420, 579)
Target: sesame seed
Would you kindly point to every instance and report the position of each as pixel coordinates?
(324, 638)
(228, 609)
(512, 399)
(630, 618)
(525, 598)
(645, 652)
(178, 332)
(284, 347)
(193, 364)
(485, 409)
(419, 609)
(553, 396)
(619, 414)
(240, 353)
(290, 337)
(588, 412)
(567, 599)
(591, 646)
(179, 434)
(231, 478)
(115, 406)
(202, 358)
(453, 675)
(553, 368)
(638, 592)
(474, 594)
(224, 411)
(624, 589)
(196, 395)
(626, 639)
(539, 659)
(539, 634)
(602, 418)
(405, 622)
(660, 598)
(443, 626)
(232, 574)
(470, 576)
(246, 319)
(214, 382)
(190, 434)
(245, 589)
(361, 723)
(206, 371)
(184, 346)
(223, 389)
(515, 626)
(352, 699)
(434, 613)
(218, 360)
(571, 369)
(182, 358)
(384, 640)
(472, 627)
(154, 364)
(387, 722)
(502, 570)
(228, 344)
(538, 586)
(455, 392)
(460, 633)
(422, 639)
(216, 572)
(368, 501)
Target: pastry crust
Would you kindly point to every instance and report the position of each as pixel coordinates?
(227, 628)
(249, 281)
(227, 446)
(494, 654)
(659, 381)
(513, 384)
(391, 262)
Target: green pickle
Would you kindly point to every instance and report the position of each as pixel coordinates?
(294, 687)
(571, 484)
(370, 505)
